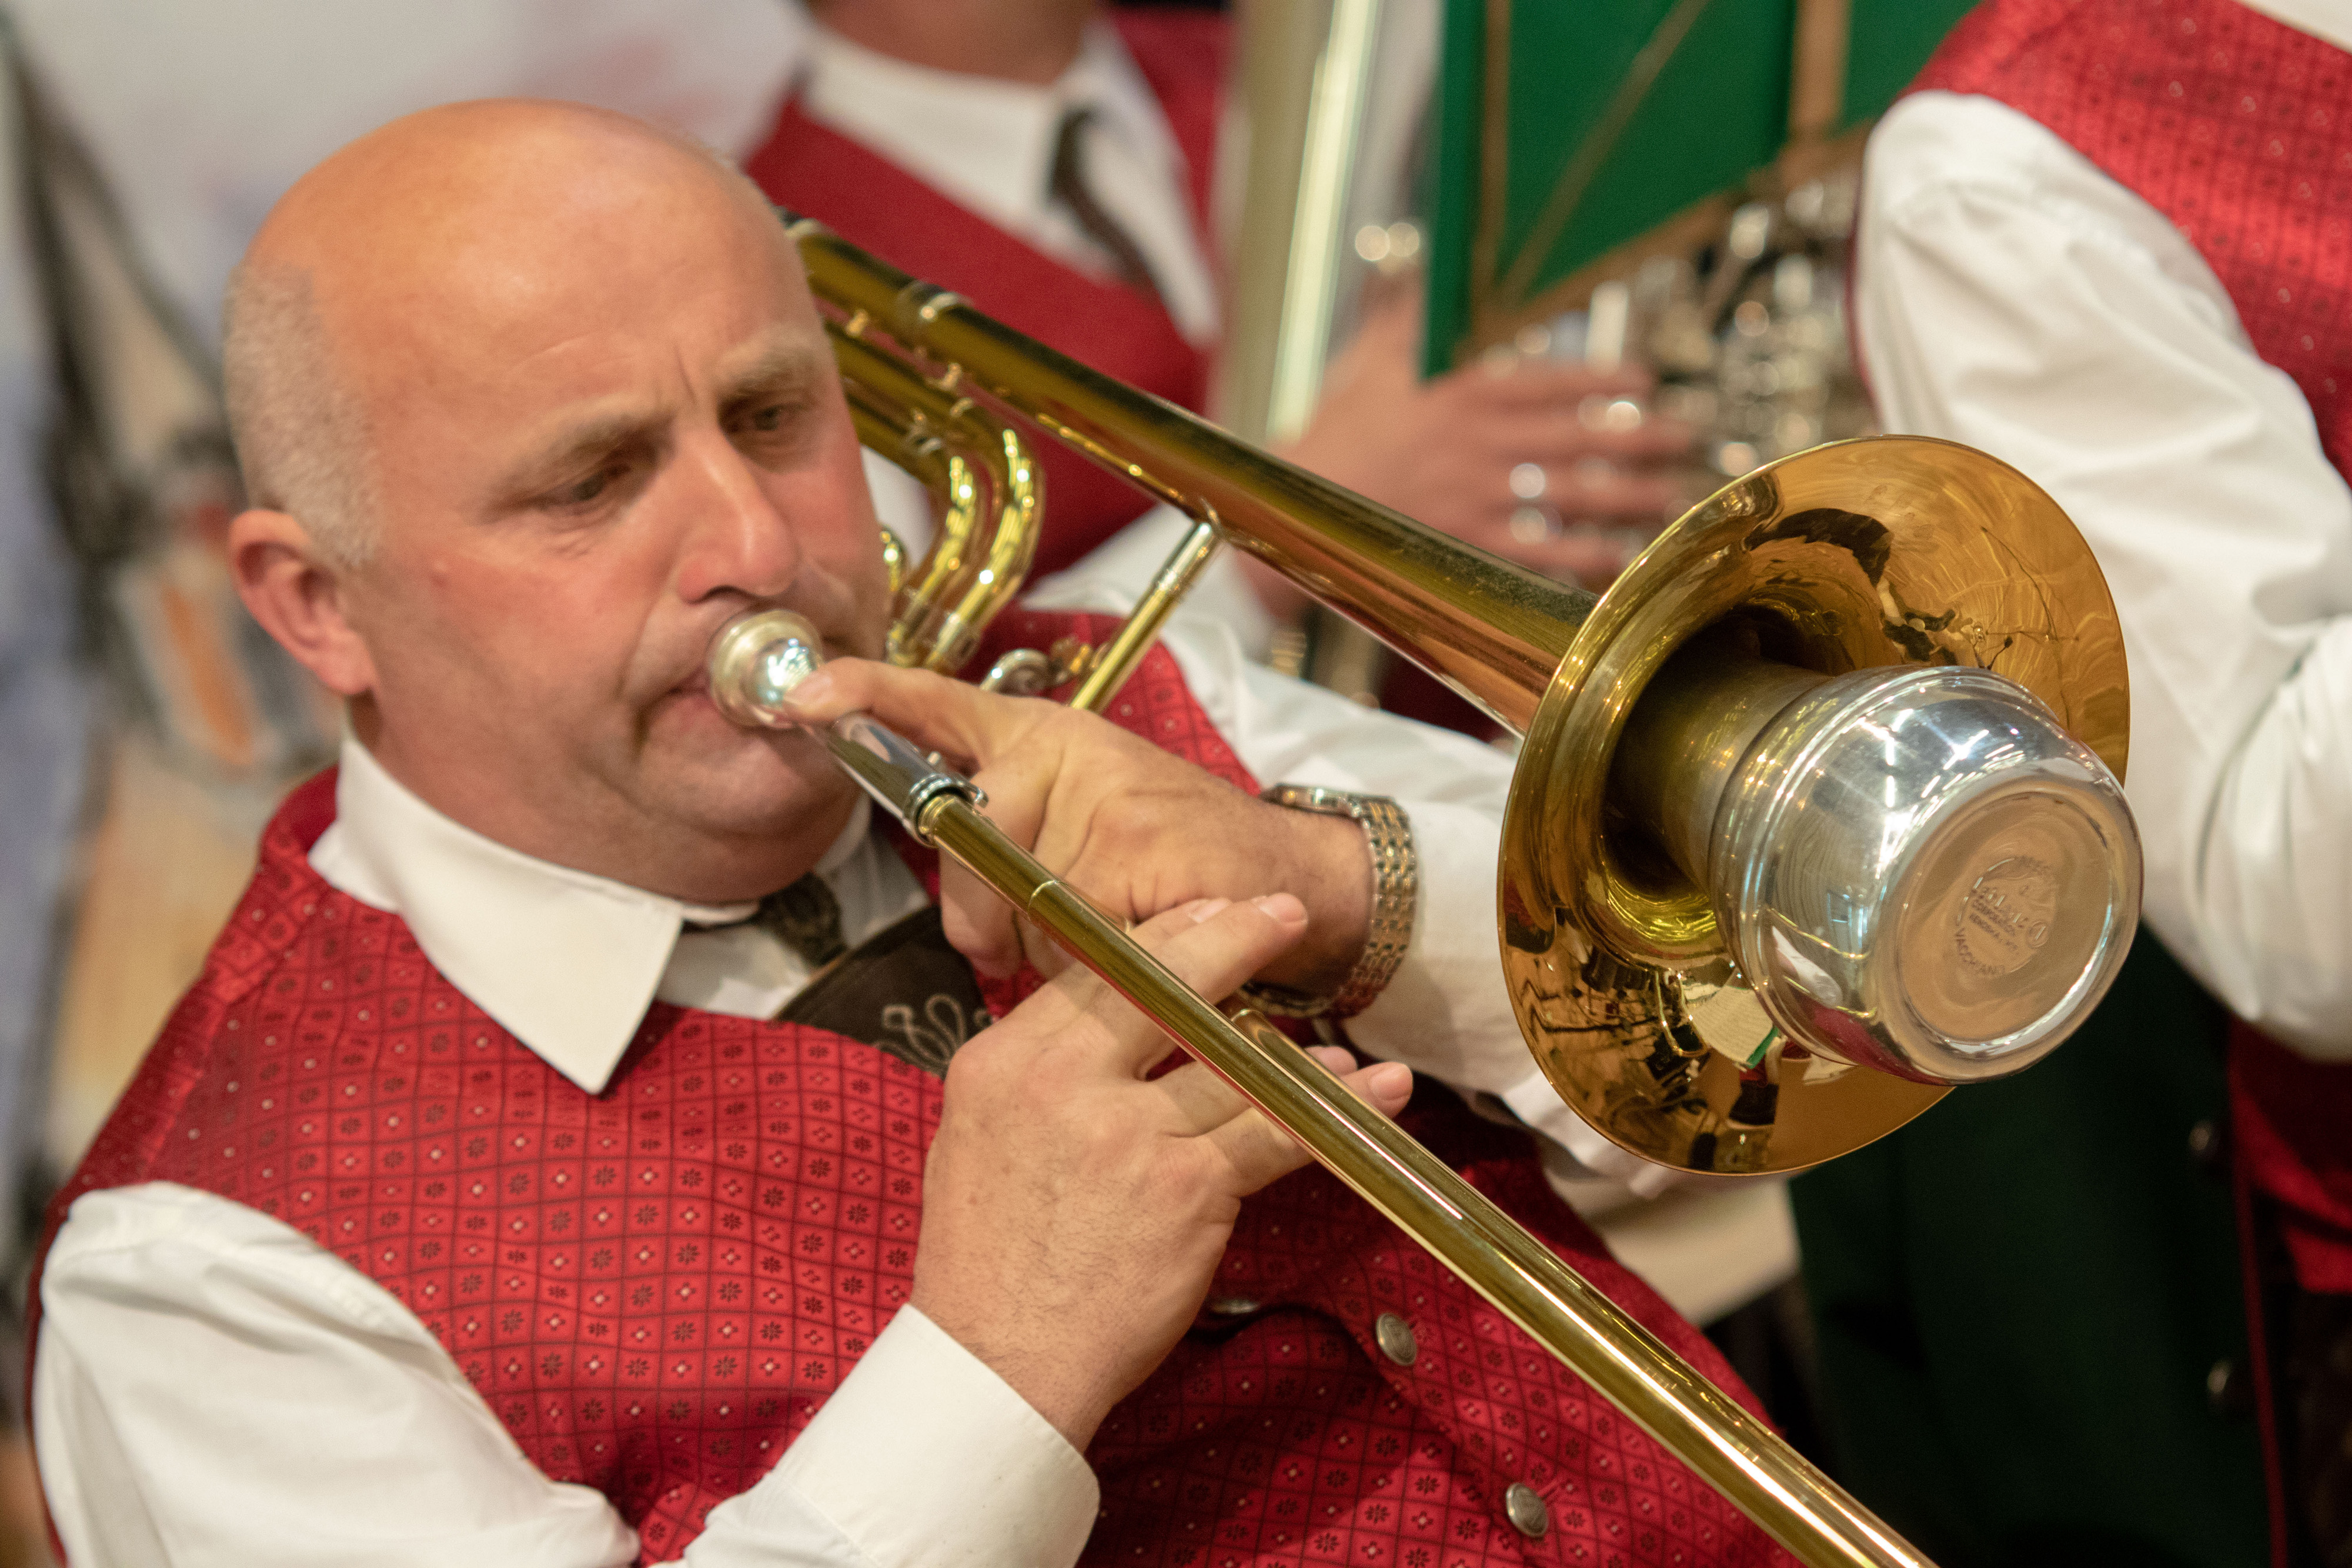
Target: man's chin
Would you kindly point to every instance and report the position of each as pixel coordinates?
(739, 783)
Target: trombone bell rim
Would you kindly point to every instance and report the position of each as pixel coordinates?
(1874, 554)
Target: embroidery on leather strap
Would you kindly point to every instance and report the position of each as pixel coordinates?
(906, 991)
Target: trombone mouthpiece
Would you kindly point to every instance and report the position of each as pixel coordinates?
(756, 660)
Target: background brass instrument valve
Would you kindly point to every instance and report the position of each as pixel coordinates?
(1746, 333)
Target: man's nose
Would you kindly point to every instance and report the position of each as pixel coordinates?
(734, 539)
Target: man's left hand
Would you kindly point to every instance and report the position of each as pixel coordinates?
(1134, 829)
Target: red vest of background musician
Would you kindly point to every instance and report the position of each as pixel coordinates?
(871, 202)
(2237, 129)
(654, 1288)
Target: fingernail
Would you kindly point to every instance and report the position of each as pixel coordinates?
(1281, 907)
(1390, 1080)
(811, 691)
(1207, 909)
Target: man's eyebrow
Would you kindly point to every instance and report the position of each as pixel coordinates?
(592, 435)
(786, 369)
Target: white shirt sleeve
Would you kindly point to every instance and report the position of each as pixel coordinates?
(1447, 1011)
(2011, 296)
(352, 1438)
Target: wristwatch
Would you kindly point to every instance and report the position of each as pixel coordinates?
(1396, 888)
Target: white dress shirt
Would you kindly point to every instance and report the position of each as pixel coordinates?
(2011, 296)
(352, 1437)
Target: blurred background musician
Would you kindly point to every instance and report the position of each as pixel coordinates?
(1053, 161)
(2112, 242)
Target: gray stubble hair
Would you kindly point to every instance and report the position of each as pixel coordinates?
(300, 432)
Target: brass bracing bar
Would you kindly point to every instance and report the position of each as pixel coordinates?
(1111, 663)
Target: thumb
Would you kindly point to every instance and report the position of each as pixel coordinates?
(934, 711)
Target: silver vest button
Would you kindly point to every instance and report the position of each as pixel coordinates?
(1524, 1508)
(1233, 1306)
(1396, 1341)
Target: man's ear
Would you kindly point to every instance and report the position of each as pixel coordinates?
(298, 597)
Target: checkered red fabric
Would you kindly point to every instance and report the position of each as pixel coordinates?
(654, 1288)
(1295, 1439)
(2236, 127)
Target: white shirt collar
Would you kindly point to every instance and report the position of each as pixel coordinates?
(982, 142)
(565, 961)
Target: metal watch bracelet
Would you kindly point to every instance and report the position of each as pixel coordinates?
(1396, 888)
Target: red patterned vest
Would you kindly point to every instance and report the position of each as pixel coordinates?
(655, 1287)
(872, 202)
(2238, 129)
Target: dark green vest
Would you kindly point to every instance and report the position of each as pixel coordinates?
(2022, 1297)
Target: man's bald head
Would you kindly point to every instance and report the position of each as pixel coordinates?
(361, 231)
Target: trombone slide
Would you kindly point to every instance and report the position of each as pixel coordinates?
(755, 661)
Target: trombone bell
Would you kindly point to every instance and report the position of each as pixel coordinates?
(1857, 835)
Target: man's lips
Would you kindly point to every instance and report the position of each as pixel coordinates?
(690, 694)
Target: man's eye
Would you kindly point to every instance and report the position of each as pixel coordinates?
(769, 420)
(587, 491)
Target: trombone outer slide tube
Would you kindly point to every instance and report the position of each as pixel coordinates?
(1731, 1451)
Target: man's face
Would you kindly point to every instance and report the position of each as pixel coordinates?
(591, 452)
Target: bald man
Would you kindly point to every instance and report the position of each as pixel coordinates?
(535, 1175)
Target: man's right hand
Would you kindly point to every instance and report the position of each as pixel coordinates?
(1074, 1208)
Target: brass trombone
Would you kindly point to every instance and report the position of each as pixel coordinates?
(1784, 859)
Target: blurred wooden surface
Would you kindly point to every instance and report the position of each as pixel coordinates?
(166, 866)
